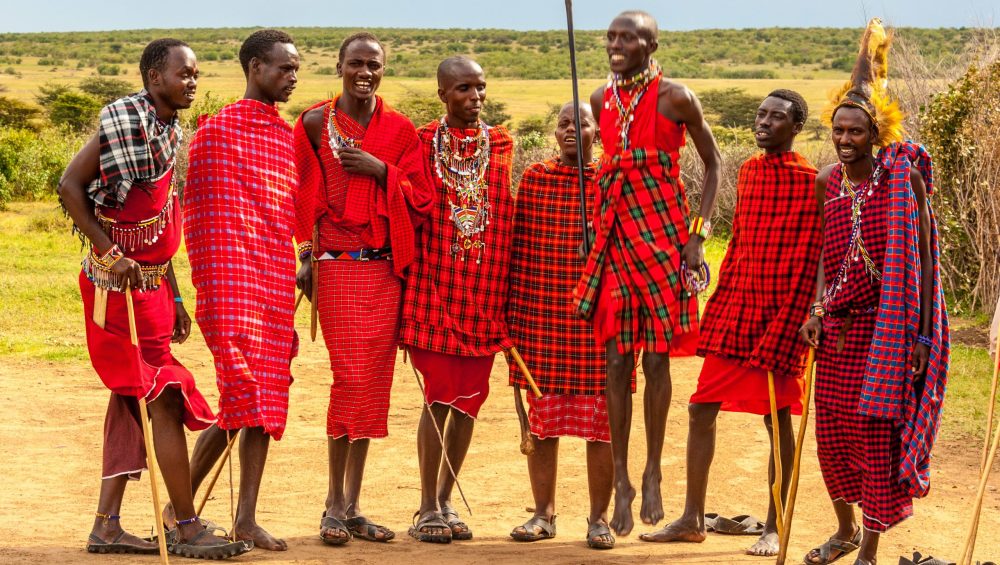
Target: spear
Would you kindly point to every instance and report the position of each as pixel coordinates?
(576, 120)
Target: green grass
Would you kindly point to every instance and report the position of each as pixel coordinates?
(965, 402)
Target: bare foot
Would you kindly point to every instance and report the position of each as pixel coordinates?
(766, 545)
(260, 537)
(678, 530)
(651, 510)
(621, 520)
(169, 518)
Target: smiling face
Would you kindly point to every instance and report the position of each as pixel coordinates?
(774, 126)
(362, 69)
(629, 43)
(276, 74)
(176, 83)
(852, 134)
(462, 88)
(566, 132)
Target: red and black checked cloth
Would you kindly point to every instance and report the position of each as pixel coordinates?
(545, 263)
(378, 215)
(569, 415)
(454, 306)
(767, 279)
(239, 217)
(359, 312)
(641, 218)
(859, 458)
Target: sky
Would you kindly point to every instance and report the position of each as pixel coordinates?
(101, 15)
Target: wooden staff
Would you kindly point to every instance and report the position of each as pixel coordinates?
(527, 442)
(218, 471)
(776, 443)
(578, 134)
(524, 371)
(970, 542)
(148, 437)
(983, 469)
(793, 487)
(299, 300)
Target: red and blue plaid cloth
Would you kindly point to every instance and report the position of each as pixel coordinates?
(888, 390)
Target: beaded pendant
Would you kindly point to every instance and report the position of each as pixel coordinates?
(626, 114)
(463, 174)
(338, 140)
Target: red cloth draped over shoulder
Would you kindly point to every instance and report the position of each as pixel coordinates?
(454, 306)
(767, 278)
(239, 219)
(545, 264)
(379, 215)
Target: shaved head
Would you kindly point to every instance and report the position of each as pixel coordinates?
(586, 113)
(645, 23)
(456, 66)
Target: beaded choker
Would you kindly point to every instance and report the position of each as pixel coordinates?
(338, 140)
(137, 235)
(626, 114)
(464, 177)
(856, 250)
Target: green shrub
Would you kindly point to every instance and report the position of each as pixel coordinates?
(326, 71)
(14, 113)
(729, 107)
(31, 163)
(106, 90)
(105, 69)
(74, 110)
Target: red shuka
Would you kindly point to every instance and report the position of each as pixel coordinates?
(454, 306)
(239, 217)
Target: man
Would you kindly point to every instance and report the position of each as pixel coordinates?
(879, 324)
(749, 325)
(119, 192)
(631, 287)
(566, 363)
(455, 303)
(364, 186)
(239, 219)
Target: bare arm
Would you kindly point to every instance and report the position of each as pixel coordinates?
(921, 352)
(182, 322)
(82, 170)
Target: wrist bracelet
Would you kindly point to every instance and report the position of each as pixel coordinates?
(817, 310)
(925, 340)
(178, 300)
(700, 227)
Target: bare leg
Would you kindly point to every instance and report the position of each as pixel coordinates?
(110, 504)
(253, 454)
(457, 439)
(690, 526)
(339, 451)
(868, 554)
(167, 412)
(356, 460)
(542, 466)
(600, 480)
(429, 456)
(209, 446)
(619, 395)
(656, 403)
(767, 545)
(847, 527)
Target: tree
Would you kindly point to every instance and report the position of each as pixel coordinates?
(106, 90)
(15, 113)
(75, 110)
(48, 92)
(420, 108)
(729, 107)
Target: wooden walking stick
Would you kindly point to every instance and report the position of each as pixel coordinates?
(983, 467)
(776, 442)
(970, 544)
(527, 443)
(524, 371)
(793, 486)
(148, 437)
(218, 471)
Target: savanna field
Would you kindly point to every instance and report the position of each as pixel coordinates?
(52, 84)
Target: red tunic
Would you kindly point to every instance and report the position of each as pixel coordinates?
(359, 301)
(456, 306)
(239, 218)
(124, 451)
(631, 285)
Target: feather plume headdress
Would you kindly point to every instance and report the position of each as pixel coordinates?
(868, 88)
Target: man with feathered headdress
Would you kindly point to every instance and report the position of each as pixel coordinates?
(879, 325)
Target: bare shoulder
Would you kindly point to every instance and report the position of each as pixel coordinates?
(678, 103)
(824, 173)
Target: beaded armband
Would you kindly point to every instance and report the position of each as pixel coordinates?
(107, 260)
(925, 340)
(700, 227)
(304, 250)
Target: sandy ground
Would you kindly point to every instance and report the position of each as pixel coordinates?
(50, 442)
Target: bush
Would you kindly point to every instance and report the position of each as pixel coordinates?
(326, 71)
(105, 69)
(420, 108)
(106, 90)
(74, 110)
(31, 163)
(729, 107)
(48, 92)
(14, 113)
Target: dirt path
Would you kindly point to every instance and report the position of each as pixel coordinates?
(50, 432)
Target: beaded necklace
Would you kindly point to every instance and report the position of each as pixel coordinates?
(464, 177)
(133, 235)
(626, 114)
(856, 250)
(338, 139)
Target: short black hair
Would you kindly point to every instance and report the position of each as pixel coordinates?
(359, 36)
(800, 110)
(154, 56)
(259, 44)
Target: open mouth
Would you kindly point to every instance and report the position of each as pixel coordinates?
(762, 134)
(570, 139)
(846, 152)
(189, 95)
(617, 58)
(363, 85)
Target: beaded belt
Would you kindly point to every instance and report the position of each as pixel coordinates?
(359, 255)
(152, 275)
